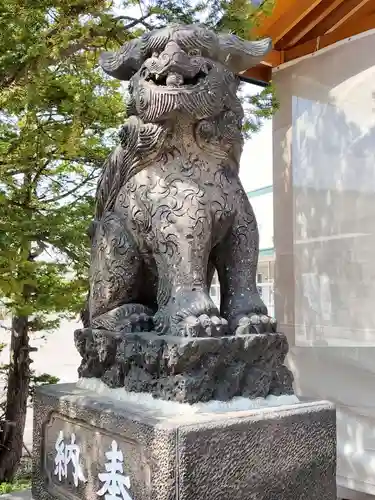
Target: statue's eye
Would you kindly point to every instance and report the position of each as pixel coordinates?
(195, 53)
(144, 73)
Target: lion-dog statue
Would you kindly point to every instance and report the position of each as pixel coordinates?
(170, 207)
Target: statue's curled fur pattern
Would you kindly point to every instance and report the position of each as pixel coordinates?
(170, 208)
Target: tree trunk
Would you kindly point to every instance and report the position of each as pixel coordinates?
(13, 428)
(85, 313)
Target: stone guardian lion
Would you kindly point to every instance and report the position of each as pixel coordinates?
(170, 208)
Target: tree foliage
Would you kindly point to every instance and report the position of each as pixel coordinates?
(59, 114)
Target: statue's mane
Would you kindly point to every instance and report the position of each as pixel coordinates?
(139, 145)
(211, 103)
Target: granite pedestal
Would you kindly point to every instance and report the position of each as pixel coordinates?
(279, 453)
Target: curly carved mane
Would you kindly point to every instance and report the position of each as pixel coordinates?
(197, 68)
(139, 145)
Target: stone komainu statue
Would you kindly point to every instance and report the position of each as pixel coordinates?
(170, 210)
(170, 206)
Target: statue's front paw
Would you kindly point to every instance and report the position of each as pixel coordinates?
(248, 314)
(255, 323)
(202, 326)
(190, 312)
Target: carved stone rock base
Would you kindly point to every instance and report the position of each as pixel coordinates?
(188, 370)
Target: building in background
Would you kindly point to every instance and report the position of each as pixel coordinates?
(262, 202)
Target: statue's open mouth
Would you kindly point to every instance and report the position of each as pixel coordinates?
(174, 79)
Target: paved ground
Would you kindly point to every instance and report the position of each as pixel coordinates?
(18, 495)
(56, 355)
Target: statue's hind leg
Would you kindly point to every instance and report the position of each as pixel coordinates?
(120, 296)
(236, 259)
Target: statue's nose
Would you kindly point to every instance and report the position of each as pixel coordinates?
(173, 57)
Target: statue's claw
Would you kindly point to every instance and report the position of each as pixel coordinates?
(203, 326)
(191, 312)
(255, 323)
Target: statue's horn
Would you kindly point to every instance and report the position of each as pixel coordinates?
(239, 55)
(123, 63)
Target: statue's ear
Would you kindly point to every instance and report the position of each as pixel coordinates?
(239, 55)
(125, 62)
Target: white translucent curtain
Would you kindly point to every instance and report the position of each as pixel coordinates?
(324, 196)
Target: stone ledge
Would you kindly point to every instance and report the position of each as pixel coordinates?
(144, 399)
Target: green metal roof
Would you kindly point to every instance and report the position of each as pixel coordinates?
(267, 252)
(260, 191)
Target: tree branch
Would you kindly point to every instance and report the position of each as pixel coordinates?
(69, 51)
(135, 21)
(89, 178)
(41, 169)
(38, 251)
(6, 80)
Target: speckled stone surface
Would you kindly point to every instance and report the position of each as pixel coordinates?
(187, 369)
(284, 453)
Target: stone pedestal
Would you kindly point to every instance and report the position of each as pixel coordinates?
(187, 369)
(279, 453)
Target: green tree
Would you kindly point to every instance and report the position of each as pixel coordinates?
(57, 114)
(57, 125)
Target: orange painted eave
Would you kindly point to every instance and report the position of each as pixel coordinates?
(302, 27)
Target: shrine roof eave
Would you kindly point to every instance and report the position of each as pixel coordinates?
(302, 27)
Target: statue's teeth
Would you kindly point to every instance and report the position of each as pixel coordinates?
(205, 69)
(174, 80)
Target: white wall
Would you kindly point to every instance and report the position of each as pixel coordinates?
(263, 209)
(324, 209)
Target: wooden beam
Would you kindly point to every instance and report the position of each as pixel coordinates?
(265, 22)
(345, 17)
(260, 73)
(336, 19)
(290, 19)
(273, 59)
(353, 28)
(314, 18)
